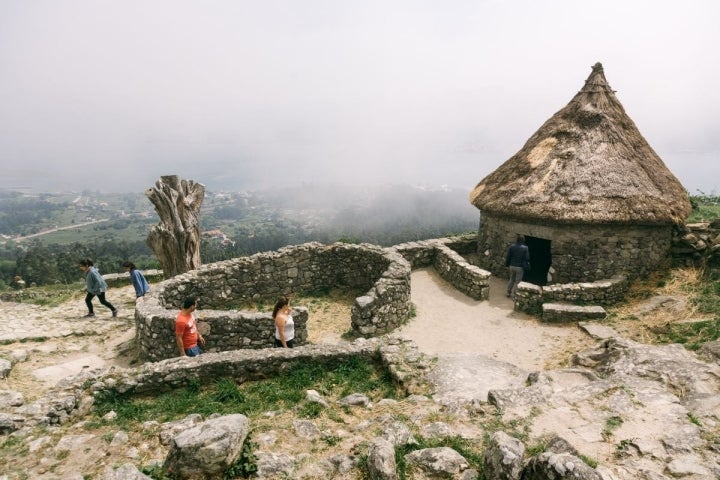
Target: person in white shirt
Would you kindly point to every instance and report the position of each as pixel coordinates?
(284, 325)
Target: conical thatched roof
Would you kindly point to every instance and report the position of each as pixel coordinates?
(586, 164)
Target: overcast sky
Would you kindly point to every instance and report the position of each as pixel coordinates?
(110, 95)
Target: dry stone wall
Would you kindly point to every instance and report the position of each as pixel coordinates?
(223, 288)
(120, 279)
(530, 298)
(223, 330)
(446, 256)
(697, 245)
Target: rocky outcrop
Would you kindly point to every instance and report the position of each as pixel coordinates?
(381, 460)
(503, 457)
(440, 462)
(558, 466)
(624, 411)
(207, 449)
(644, 409)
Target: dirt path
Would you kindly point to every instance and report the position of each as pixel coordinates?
(448, 321)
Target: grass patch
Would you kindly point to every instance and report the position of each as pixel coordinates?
(252, 399)
(47, 295)
(696, 296)
(622, 449)
(705, 208)
(703, 300)
(590, 462)
(611, 424)
(705, 297)
(518, 428)
(318, 298)
(691, 335)
(536, 448)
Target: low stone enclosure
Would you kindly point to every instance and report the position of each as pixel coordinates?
(223, 288)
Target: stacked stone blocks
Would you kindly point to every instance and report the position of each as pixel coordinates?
(569, 302)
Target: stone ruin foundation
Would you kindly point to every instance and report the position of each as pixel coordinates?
(382, 274)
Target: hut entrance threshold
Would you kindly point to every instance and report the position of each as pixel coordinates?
(540, 260)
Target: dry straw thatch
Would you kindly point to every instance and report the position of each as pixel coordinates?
(587, 164)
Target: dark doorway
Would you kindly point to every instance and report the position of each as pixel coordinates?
(540, 260)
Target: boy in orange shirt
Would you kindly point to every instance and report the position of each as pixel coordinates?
(186, 332)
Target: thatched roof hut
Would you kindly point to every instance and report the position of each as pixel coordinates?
(588, 163)
(587, 189)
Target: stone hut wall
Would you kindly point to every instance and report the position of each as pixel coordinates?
(580, 253)
(223, 288)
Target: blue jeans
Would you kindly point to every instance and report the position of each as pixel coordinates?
(193, 351)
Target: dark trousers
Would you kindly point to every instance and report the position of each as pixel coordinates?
(290, 343)
(101, 297)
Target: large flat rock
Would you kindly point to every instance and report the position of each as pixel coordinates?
(464, 377)
(55, 373)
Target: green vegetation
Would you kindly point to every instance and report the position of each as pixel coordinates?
(705, 208)
(252, 399)
(611, 424)
(285, 393)
(51, 295)
(691, 335)
(536, 448)
(706, 297)
(590, 462)
(623, 448)
(705, 300)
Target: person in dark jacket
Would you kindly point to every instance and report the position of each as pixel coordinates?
(517, 259)
(138, 280)
(95, 285)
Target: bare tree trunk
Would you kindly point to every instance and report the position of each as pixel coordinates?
(176, 239)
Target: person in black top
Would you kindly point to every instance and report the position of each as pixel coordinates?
(517, 259)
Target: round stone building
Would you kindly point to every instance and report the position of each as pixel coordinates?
(587, 191)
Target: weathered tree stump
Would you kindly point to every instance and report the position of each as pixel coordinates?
(176, 239)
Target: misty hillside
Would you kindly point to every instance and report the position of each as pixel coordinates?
(43, 235)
